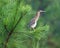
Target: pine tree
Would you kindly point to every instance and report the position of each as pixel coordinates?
(16, 14)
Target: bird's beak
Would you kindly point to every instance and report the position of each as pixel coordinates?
(43, 11)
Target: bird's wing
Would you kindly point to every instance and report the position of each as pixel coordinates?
(32, 22)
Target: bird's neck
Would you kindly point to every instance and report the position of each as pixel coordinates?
(37, 17)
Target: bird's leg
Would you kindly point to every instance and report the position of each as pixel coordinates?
(32, 29)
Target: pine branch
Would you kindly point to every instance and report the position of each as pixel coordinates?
(6, 28)
(10, 32)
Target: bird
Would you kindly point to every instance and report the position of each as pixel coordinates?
(33, 22)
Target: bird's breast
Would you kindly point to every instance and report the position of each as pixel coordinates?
(34, 25)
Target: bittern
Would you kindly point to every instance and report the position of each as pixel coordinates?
(33, 22)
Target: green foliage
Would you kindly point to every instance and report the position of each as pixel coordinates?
(16, 14)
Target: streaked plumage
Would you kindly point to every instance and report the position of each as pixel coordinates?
(33, 22)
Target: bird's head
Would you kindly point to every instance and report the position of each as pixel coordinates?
(40, 11)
